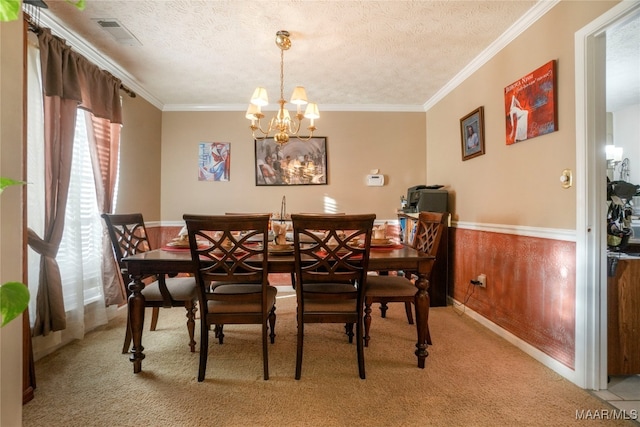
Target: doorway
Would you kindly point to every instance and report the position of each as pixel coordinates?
(591, 247)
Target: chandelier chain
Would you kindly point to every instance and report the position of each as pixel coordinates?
(281, 73)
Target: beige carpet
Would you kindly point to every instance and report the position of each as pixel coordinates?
(472, 378)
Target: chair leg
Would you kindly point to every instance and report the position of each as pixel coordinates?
(348, 329)
(265, 353)
(360, 349)
(299, 348)
(127, 338)
(154, 318)
(272, 325)
(191, 324)
(383, 309)
(204, 349)
(407, 308)
(220, 333)
(367, 320)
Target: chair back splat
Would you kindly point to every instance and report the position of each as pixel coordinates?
(331, 261)
(229, 253)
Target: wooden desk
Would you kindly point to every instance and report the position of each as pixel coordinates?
(164, 262)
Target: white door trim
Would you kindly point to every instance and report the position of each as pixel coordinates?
(591, 271)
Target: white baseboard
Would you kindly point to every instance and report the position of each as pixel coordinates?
(545, 359)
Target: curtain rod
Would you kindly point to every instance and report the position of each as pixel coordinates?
(35, 28)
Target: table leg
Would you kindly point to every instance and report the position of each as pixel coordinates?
(422, 303)
(367, 321)
(135, 311)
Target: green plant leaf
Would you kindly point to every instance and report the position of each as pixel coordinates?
(7, 182)
(14, 299)
(80, 4)
(9, 10)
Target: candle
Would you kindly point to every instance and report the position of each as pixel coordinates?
(283, 208)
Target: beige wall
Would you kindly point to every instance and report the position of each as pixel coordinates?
(140, 155)
(531, 291)
(519, 184)
(11, 45)
(356, 143)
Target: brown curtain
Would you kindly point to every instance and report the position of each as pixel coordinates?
(69, 81)
(104, 144)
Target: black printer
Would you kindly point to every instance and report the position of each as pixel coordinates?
(430, 198)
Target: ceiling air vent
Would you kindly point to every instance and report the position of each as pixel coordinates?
(118, 32)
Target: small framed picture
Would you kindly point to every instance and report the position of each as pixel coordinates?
(472, 133)
(214, 161)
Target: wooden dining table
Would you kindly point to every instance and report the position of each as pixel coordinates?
(161, 261)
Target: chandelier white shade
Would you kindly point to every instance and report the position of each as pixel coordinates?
(282, 125)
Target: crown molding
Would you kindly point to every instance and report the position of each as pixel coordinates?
(91, 53)
(87, 50)
(322, 107)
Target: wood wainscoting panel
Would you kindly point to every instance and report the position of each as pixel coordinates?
(531, 286)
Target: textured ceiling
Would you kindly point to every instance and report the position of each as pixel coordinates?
(368, 55)
(623, 64)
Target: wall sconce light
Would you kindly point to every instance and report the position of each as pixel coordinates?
(613, 153)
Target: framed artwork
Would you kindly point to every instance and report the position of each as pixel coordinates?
(472, 134)
(214, 161)
(294, 163)
(530, 105)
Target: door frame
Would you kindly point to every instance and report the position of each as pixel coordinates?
(591, 245)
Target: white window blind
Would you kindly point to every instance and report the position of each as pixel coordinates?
(79, 256)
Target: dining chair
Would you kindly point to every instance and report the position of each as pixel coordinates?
(331, 255)
(128, 236)
(290, 237)
(384, 289)
(231, 251)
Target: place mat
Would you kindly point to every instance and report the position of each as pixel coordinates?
(182, 244)
(323, 253)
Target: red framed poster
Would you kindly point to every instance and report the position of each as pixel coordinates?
(530, 105)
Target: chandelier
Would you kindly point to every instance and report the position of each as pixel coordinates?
(281, 124)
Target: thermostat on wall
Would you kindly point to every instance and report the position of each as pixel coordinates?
(375, 180)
